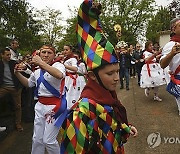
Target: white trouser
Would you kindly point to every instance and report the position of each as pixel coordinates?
(45, 133)
(178, 103)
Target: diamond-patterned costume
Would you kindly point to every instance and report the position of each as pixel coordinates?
(96, 50)
(93, 127)
(97, 123)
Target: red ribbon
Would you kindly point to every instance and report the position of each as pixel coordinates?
(73, 76)
(148, 68)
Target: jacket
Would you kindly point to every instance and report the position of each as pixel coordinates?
(12, 64)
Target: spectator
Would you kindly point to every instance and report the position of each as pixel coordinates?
(27, 93)
(171, 57)
(48, 81)
(9, 84)
(124, 61)
(137, 57)
(152, 75)
(132, 69)
(14, 44)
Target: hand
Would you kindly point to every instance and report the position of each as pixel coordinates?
(133, 131)
(176, 49)
(141, 60)
(36, 60)
(21, 67)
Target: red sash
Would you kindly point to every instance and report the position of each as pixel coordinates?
(50, 101)
(174, 80)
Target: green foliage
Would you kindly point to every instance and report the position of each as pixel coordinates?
(17, 22)
(159, 22)
(174, 8)
(51, 25)
(132, 15)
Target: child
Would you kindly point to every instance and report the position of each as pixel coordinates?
(152, 75)
(70, 63)
(97, 123)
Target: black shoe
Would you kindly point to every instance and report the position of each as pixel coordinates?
(121, 87)
(127, 88)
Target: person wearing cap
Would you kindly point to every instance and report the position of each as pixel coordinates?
(152, 75)
(171, 58)
(97, 123)
(48, 81)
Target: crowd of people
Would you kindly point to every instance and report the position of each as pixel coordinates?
(73, 92)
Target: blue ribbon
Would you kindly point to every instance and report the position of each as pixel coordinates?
(61, 113)
(174, 89)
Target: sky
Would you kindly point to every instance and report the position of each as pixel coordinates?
(62, 5)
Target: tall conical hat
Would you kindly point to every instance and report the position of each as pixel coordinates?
(96, 50)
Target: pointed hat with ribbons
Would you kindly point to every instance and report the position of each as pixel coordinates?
(95, 49)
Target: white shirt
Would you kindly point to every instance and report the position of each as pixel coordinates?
(82, 68)
(71, 62)
(147, 54)
(175, 62)
(42, 91)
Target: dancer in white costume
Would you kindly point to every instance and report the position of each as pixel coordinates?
(47, 79)
(171, 58)
(70, 63)
(152, 75)
(82, 72)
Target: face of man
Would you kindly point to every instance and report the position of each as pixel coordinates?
(177, 28)
(14, 45)
(6, 56)
(47, 55)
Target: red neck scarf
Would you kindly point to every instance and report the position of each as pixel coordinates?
(69, 56)
(175, 38)
(94, 91)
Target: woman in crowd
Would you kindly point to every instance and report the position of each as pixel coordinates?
(70, 63)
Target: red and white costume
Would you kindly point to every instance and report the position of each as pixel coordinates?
(152, 74)
(45, 133)
(71, 83)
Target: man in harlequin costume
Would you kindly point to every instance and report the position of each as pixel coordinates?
(48, 80)
(97, 123)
